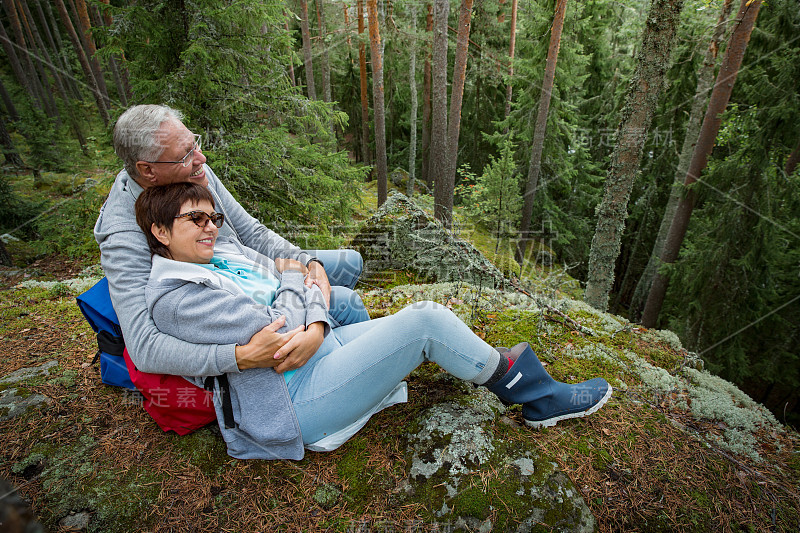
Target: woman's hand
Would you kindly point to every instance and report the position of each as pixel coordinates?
(317, 276)
(283, 264)
(300, 348)
(259, 352)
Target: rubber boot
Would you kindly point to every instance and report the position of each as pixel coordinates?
(544, 400)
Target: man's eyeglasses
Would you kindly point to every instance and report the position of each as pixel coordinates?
(201, 218)
(189, 157)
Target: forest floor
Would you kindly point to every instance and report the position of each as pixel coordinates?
(641, 463)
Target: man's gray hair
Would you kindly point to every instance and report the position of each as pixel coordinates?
(136, 134)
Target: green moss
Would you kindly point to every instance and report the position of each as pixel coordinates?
(471, 502)
(354, 473)
(203, 448)
(74, 478)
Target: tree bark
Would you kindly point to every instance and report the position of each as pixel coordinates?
(640, 103)
(511, 46)
(59, 46)
(412, 84)
(120, 61)
(61, 64)
(445, 199)
(36, 51)
(705, 79)
(25, 71)
(376, 56)
(426, 104)
(87, 69)
(535, 164)
(438, 146)
(362, 68)
(326, 66)
(307, 60)
(731, 62)
(91, 50)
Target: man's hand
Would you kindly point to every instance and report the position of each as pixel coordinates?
(283, 264)
(317, 276)
(259, 352)
(300, 348)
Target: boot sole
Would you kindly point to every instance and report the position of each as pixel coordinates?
(550, 422)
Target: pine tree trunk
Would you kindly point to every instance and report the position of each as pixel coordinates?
(16, 67)
(36, 50)
(326, 67)
(535, 164)
(62, 65)
(25, 71)
(412, 84)
(426, 104)
(511, 46)
(444, 199)
(87, 69)
(57, 78)
(376, 56)
(362, 68)
(731, 62)
(705, 78)
(91, 50)
(640, 103)
(9, 104)
(307, 55)
(62, 51)
(438, 147)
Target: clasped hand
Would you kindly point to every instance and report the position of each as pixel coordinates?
(293, 349)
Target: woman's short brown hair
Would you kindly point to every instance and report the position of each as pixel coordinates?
(159, 206)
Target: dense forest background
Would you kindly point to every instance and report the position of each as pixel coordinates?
(632, 142)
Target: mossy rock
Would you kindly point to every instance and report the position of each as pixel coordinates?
(402, 237)
(466, 469)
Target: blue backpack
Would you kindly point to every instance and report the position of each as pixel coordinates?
(95, 304)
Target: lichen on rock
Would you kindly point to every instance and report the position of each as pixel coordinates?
(401, 236)
(463, 471)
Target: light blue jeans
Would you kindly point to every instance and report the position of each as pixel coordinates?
(343, 268)
(359, 364)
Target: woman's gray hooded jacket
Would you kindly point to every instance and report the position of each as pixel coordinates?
(196, 304)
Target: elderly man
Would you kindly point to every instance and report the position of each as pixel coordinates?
(158, 149)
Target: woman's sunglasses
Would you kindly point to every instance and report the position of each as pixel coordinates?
(201, 218)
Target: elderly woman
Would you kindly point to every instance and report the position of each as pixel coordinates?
(357, 367)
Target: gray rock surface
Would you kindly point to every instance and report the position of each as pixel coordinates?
(14, 402)
(28, 372)
(476, 480)
(400, 236)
